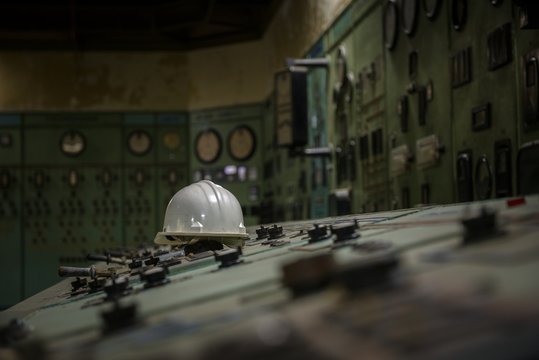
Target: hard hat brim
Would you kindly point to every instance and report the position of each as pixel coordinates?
(182, 238)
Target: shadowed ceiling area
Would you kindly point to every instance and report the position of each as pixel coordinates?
(131, 25)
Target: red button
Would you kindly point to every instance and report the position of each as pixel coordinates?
(516, 202)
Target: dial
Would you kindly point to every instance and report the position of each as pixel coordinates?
(459, 13)
(390, 25)
(431, 8)
(208, 146)
(483, 178)
(72, 143)
(409, 16)
(241, 143)
(6, 140)
(139, 142)
(171, 140)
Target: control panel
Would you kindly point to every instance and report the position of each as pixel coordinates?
(369, 113)
(11, 185)
(418, 102)
(72, 197)
(75, 184)
(225, 147)
(438, 105)
(483, 92)
(451, 281)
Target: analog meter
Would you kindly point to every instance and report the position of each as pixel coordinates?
(241, 143)
(139, 142)
(208, 146)
(72, 143)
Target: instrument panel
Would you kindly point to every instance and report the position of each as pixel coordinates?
(375, 283)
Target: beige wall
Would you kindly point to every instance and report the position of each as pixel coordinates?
(218, 76)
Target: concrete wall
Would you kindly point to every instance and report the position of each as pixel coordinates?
(160, 81)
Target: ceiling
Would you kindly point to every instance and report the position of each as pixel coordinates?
(131, 25)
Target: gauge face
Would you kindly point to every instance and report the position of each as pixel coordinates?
(171, 140)
(73, 178)
(459, 13)
(390, 25)
(6, 140)
(241, 143)
(72, 143)
(139, 142)
(409, 16)
(431, 8)
(208, 146)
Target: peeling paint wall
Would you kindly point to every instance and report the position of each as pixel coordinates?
(160, 81)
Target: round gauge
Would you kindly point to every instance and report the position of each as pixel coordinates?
(483, 178)
(459, 13)
(431, 8)
(496, 2)
(391, 23)
(341, 66)
(72, 143)
(241, 143)
(208, 146)
(73, 178)
(6, 140)
(139, 142)
(5, 179)
(409, 16)
(171, 140)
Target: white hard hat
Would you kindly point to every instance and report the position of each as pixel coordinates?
(203, 210)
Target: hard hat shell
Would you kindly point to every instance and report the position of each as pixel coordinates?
(200, 211)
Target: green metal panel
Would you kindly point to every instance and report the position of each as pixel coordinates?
(318, 180)
(493, 87)
(245, 177)
(10, 208)
(139, 182)
(527, 48)
(369, 110)
(428, 46)
(172, 158)
(68, 211)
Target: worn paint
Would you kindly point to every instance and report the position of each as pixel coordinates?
(217, 76)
